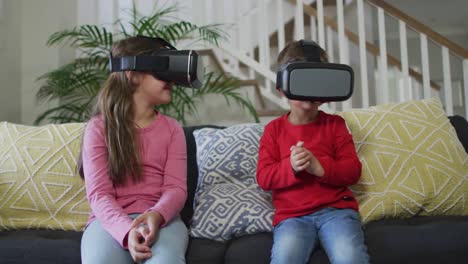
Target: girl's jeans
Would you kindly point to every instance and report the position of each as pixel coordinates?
(98, 246)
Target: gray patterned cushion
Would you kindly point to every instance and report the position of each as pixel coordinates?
(228, 201)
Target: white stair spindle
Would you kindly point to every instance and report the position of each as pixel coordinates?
(348, 104)
(266, 34)
(465, 86)
(330, 51)
(280, 19)
(321, 24)
(447, 81)
(261, 32)
(343, 44)
(407, 94)
(425, 66)
(313, 29)
(383, 69)
(299, 20)
(362, 54)
(115, 15)
(341, 35)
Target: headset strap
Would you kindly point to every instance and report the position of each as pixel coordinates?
(152, 63)
(311, 50)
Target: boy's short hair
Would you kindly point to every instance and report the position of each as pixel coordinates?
(294, 52)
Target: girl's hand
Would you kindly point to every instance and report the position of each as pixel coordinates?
(150, 221)
(138, 250)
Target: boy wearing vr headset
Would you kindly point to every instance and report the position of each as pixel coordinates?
(133, 158)
(307, 159)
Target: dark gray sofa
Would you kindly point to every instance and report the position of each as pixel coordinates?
(441, 239)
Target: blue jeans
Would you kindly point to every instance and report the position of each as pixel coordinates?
(98, 246)
(338, 231)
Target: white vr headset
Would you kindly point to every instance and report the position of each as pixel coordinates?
(313, 80)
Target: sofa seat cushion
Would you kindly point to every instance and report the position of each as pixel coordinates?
(205, 251)
(40, 246)
(429, 239)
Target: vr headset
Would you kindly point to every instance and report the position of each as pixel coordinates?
(314, 80)
(182, 67)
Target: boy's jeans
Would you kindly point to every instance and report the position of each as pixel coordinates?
(338, 231)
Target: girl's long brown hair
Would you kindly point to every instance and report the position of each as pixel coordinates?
(115, 104)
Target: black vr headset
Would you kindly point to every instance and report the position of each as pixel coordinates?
(182, 67)
(314, 80)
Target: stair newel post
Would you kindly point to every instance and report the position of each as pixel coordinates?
(342, 42)
(299, 20)
(425, 66)
(362, 54)
(280, 19)
(321, 24)
(465, 85)
(406, 93)
(383, 67)
(448, 99)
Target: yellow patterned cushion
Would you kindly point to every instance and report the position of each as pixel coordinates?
(413, 162)
(38, 184)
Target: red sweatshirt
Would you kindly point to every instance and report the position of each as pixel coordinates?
(297, 195)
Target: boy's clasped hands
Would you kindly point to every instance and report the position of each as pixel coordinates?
(302, 159)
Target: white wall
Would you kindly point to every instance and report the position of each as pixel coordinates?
(40, 19)
(24, 55)
(10, 61)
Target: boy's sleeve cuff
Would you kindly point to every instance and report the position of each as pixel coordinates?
(326, 163)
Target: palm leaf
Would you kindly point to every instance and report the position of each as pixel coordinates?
(85, 37)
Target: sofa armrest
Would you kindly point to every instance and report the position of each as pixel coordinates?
(192, 170)
(461, 127)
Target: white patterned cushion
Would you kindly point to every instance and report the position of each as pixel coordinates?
(228, 202)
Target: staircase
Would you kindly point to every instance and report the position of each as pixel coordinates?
(352, 32)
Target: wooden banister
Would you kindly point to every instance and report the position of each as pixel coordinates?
(420, 27)
(369, 46)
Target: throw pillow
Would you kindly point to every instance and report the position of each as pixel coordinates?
(39, 187)
(413, 162)
(228, 202)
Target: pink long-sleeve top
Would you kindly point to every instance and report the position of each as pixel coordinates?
(163, 189)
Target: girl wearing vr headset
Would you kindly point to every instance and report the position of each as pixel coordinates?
(307, 159)
(134, 165)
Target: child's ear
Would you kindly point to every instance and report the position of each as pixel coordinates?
(133, 77)
(129, 75)
(280, 92)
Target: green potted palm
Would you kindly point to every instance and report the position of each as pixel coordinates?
(76, 84)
